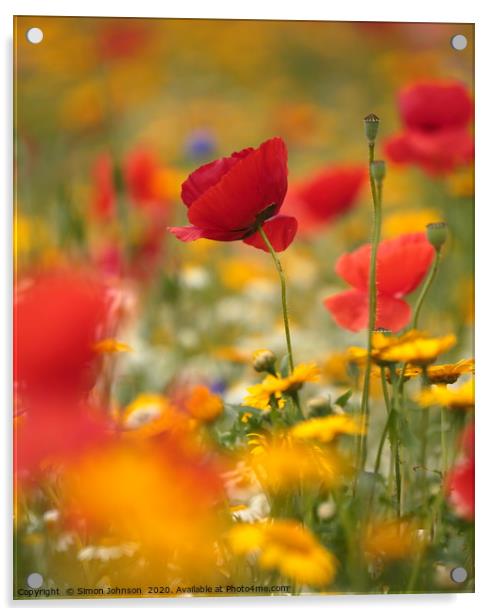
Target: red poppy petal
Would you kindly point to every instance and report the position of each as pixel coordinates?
(280, 230)
(256, 182)
(460, 488)
(350, 311)
(208, 175)
(391, 313)
(354, 267)
(398, 149)
(402, 263)
(192, 233)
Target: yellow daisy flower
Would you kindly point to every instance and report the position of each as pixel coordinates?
(150, 414)
(444, 373)
(392, 540)
(440, 395)
(326, 429)
(272, 387)
(418, 351)
(410, 221)
(285, 545)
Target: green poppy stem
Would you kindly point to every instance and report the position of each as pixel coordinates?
(283, 287)
(376, 193)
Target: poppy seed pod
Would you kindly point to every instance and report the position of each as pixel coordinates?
(371, 124)
(437, 234)
(378, 169)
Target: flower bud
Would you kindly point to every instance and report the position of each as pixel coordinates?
(319, 406)
(378, 169)
(264, 360)
(437, 234)
(371, 124)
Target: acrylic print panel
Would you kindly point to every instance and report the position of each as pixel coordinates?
(243, 315)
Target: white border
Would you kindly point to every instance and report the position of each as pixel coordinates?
(477, 11)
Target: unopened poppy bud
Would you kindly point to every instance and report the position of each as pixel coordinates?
(437, 234)
(371, 124)
(378, 169)
(264, 360)
(319, 406)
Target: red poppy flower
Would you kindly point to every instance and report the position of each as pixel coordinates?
(103, 198)
(435, 105)
(459, 483)
(325, 196)
(58, 316)
(402, 263)
(436, 153)
(140, 173)
(436, 116)
(228, 198)
(53, 433)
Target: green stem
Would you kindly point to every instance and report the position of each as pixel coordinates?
(386, 429)
(395, 440)
(376, 193)
(283, 288)
(443, 441)
(417, 308)
(426, 287)
(425, 420)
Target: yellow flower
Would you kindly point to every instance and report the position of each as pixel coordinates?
(326, 429)
(236, 274)
(410, 221)
(419, 350)
(392, 540)
(335, 368)
(110, 345)
(272, 387)
(287, 546)
(281, 462)
(458, 398)
(204, 405)
(444, 373)
(149, 415)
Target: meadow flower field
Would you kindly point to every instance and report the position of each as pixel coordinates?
(243, 308)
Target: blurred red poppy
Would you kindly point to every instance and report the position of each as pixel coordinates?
(229, 198)
(51, 433)
(460, 481)
(323, 197)
(436, 117)
(402, 263)
(58, 317)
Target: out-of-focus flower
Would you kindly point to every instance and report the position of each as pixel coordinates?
(458, 398)
(272, 387)
(203, 405)
(402, 263)
(258, 508)
(53, 433)
(121, 39)
(281, 462)
(149, 415)
(229, 198)
(459, 483)
(461, 183)
(200, 144)
(409, 221)
(444, 373)
(148, 492)
(107, 552)
(285, 545)
(110, 345)
(436, 115)
(264, 360)
(391, 540)
(322, 198)
(236, 273)
(58, 318)
(326, 429)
